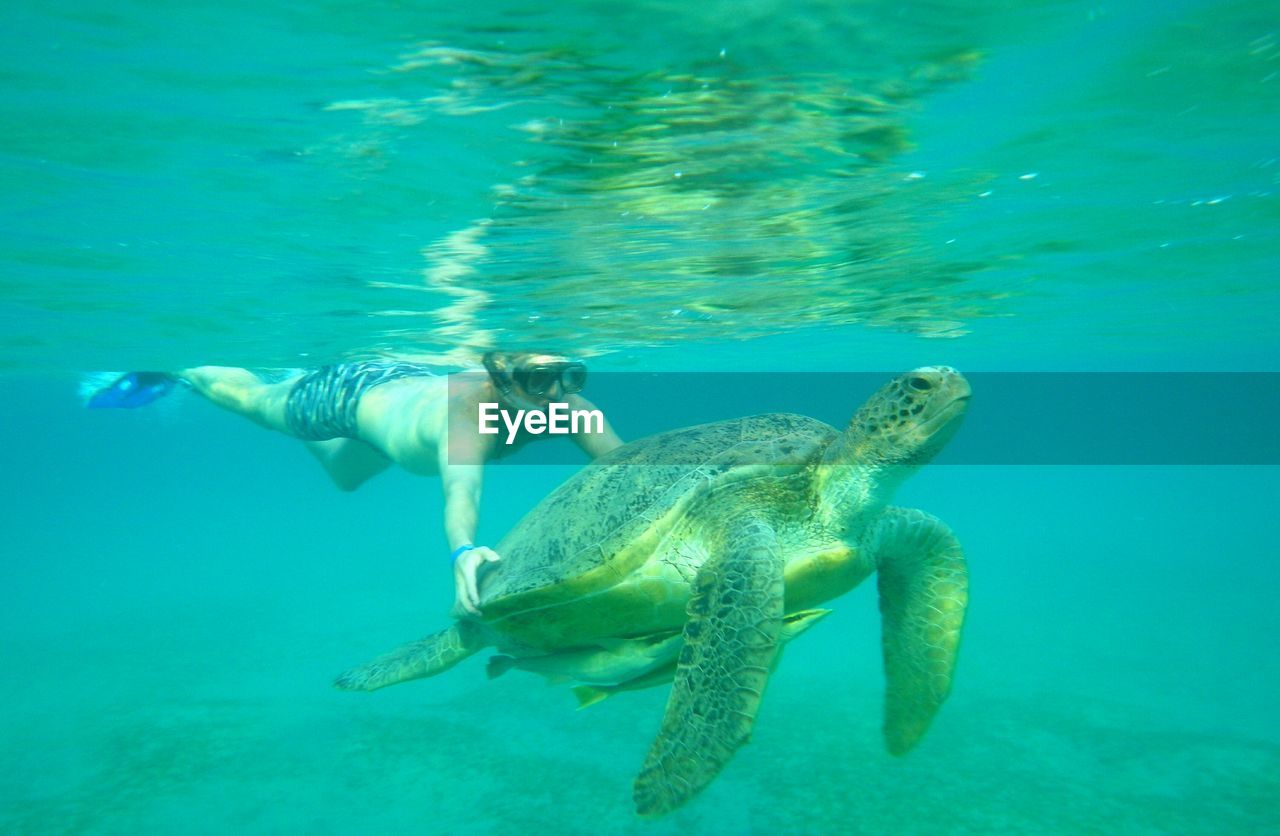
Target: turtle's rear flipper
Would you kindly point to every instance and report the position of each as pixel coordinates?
(415, 660)
(924, 589)
(735, 616)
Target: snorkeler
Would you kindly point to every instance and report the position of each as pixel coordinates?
(358, 419)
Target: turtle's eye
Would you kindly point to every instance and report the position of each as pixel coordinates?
(920, 384)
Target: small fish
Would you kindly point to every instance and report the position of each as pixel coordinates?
(792, 626)
(609, 662)
(131, 390)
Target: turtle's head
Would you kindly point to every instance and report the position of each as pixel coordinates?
(909, 420)
(900, 428)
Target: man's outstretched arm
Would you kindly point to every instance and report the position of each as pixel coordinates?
(462, 484)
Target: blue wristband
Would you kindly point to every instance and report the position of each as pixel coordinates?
(460, 549)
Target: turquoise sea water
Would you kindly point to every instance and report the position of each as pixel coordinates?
(764, 187)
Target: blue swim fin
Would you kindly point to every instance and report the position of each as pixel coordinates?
(131, 390)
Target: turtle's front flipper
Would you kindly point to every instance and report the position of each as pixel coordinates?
(415, 660)
(924, 589)
(735, 616)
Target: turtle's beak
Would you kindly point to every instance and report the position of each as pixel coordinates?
(948, 390)
(948, 402)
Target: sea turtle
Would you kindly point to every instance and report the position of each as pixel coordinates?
(693, 554)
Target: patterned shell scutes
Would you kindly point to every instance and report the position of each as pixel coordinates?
(587, 534)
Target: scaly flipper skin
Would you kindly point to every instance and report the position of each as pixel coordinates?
(730, 640)
(415, 660)
(924, 589)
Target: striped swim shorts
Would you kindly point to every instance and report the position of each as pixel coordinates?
(323, 403)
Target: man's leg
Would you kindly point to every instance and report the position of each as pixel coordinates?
(242, 392)
(348, 461)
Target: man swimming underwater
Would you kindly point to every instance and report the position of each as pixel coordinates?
(358, 419)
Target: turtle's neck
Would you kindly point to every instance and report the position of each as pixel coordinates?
(853, 483)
